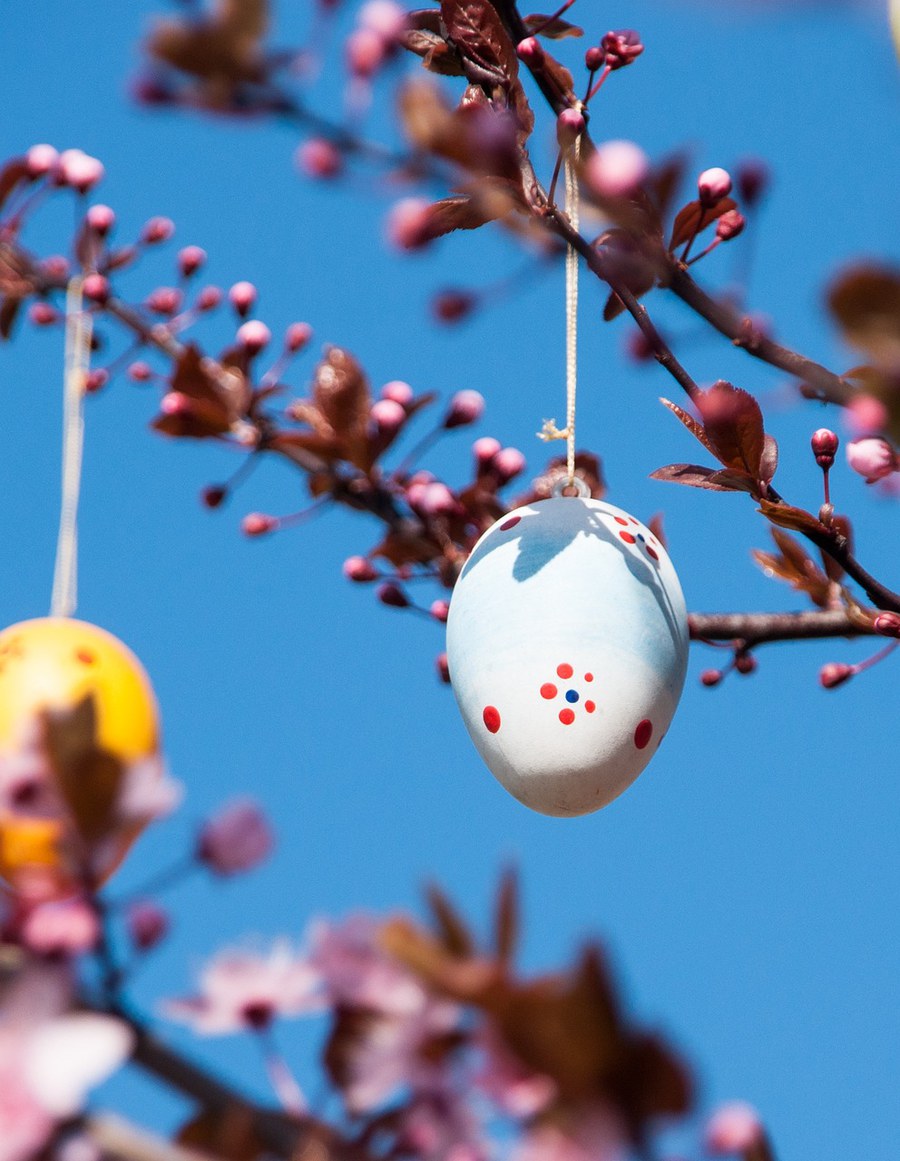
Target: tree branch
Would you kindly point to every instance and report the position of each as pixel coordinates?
(762, 628)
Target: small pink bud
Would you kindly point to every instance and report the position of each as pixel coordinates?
(594, 58)
(465, 407)
(235, 839)
(78, 170)
(432, 500)
(485, 450)
(733, 1128)
(865, 415)
(67, 928)
(164, 300)
(253, 336)
(365, 52)
(570, 124)
(96, 380)
(508, 463)
(147, 924)
(258, 524)
(42, 314)
(41, 160)
(190, 259)
(214, 496)
(100, 219)
(887, 624)
(872, 457)
(711, 677)
(443, 668)
(383, 17)
(242, 296)
(56, 266)
(393, 595)
(752, 181)
(622, 47)
(450, 306)
(318, 157)
(297, 336)
(639, 347)
(835, 673)
(209, 298)
(406, 223)
(140, 372)
(824, 444)
(745, 663)
(96, 288)
(730, 225)
(616, 169)
(440, 610)
(530, 51)
(157, 230)
(399, 391)
(387, 415)
(175, 403)
(713, 185)
(359, 569)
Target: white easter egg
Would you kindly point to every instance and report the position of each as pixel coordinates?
(567, 645)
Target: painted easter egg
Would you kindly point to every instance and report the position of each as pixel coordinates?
(567, 644)
(54, 664)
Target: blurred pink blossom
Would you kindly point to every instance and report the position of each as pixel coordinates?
(508, 1083)
(69, 927)
(596, 1135)
(235, 839)
(872, 457)
(733, 1128)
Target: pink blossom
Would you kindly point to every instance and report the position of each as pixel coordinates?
(77, 169)
(69, 927)
(439, 1125)
(508, 1083)
(366, 51)
(235, 839)
(865, 414)
(872, 457)
(383, 17)
(240, 990)
(440, 610)
(616, 169)
(733, 1128)
(621, 47)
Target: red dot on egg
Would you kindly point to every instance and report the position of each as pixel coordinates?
(620, 520)
(589, 677)
(549, 690)
(510, 523)
(589, 707)
(633, 521)
(627, 537)
(85, 657)
(491, 717)
(643, 733)
(652, 552)
(566, 716)
(564, 671)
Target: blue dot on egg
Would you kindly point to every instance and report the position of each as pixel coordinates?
(571, 695)
(640, 538)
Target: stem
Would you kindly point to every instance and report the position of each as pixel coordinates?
(762, 628)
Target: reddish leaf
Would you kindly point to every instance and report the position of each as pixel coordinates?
(196, 419)
(656, 527)
(558, 74)
(427, 19)
(11, 174)
(229, 1133)
(9, 312)
(786, 516)
(341, 395)
(793, 564)
(734, 427)
(506, 919)
(695, 475)
(89, 778)
(551, 26)
(437, 55)
(865, 301)
(15, 276)
(452, 930)
(769, 460)
(466, 211)
(695, 428)
(694, 218)
(476, 29)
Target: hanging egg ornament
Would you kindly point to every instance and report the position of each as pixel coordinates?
(52, 665)
(567, 644)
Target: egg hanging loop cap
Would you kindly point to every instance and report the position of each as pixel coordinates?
(574, 488)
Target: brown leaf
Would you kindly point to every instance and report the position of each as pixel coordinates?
(9, 312)
(696, 476)
(653, 1083)
(469, 980)
(655, 524)
(551, 26)
(427, 19)
(506, 916)
(486, 203)
(451, 928)
(342, 397)
(558, 73)
(350, 1029)
(865, 302)
(437, 55)
(793, 564)
(11, 174)
(694, 218)
(695, 428)
(733, 424)
(15, 276)
(229, 1133)
(89, 778)
(476, 29)
(786, 516)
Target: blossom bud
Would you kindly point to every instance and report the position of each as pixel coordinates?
(465, 407)
(60, 929)
(365, 52)
(383, 17)
(318, 157)
(387, 416)
(56, 266)
(41, 160)
(440, 610)
(96, 288)
(398, 391)
(508, 463)
(140, 372)
(835, 673)
(235, 839)
(865, 414)
(872, 457)
(530, 51)
(78, 170)
(432, 499)
(242, 296)
(449, 306)
(752, 181)
(157, 230)
(96, 380)
(393, 595)
(359, 569)
(887, 624)
(42, 314)
(213, 496)
(406, 222)
(745, 663)
(713, 185)
(164, 300)
(485, 450)
(190, 259)
(594, 58)
(621, 47)
(147, 924)
(570, 124)
(100, 219)
(711, 677)
(443, 668)
(733, 1128)
(616, 169)
(253, 336)
(258, 524)
(824, 444)
(209, 298)
(730, 225)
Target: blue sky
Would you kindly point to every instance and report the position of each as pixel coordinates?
(747, 883)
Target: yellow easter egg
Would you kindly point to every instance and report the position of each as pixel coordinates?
(55, 663)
